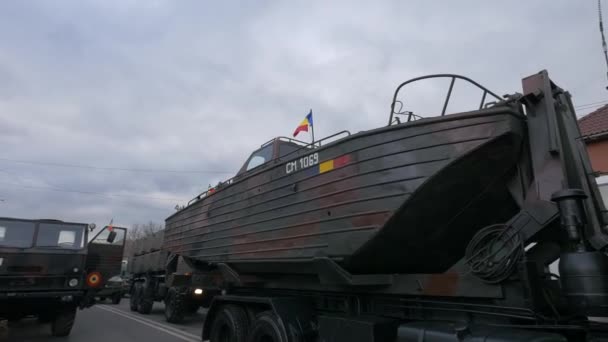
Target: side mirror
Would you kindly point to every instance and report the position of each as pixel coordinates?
(92, 226)
(111, 237)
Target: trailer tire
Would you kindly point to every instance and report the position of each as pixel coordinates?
(175, 306)
(266, 328)
(63, 322)
(230, 324)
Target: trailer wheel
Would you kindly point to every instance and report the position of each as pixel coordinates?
(230, 325)
(174, 306)
(134, 297)
(63, 322)
(266, 328)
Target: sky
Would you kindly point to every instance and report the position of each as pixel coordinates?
(123, 109)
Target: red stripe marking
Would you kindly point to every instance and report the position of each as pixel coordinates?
(341, 161)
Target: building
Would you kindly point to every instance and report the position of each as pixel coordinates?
(594, 130)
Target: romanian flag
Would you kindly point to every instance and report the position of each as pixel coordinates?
(303, 126)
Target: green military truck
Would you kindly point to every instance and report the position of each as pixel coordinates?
(50, 268)
(163, 277)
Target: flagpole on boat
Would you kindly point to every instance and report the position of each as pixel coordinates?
(312, 130)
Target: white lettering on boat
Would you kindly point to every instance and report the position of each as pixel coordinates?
(302, 163)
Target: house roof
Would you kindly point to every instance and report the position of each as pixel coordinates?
(595, 124)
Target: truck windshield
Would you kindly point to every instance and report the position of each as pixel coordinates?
(60, 235)
(16, 233)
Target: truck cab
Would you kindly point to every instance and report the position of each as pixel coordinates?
(48, 268)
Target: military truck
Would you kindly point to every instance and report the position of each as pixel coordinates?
(49, 269)
(433, 228)
(160, 276)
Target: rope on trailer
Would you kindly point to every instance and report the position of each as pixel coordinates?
(494, 252)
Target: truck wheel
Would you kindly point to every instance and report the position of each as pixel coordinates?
(174, 306)
(146, 299)
(230, 325)
(63, 321)
(266, 328)
(144, 306)
(134, 297)
(116, 298)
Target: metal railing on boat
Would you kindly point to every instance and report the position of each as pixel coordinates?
(453, 78)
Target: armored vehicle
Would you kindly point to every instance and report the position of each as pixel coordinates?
(436, 228)
(158, 275)
(49, 269)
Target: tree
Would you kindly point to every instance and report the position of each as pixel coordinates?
(139, 231)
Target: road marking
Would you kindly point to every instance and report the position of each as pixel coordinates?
(156, 325)
(137, 316)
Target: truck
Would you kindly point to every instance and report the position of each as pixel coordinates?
(431, 228)
(49, 268)
(159, 276)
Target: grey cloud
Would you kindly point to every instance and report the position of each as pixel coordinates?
(191, 85)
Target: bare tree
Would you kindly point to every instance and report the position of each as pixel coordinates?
(139, 231)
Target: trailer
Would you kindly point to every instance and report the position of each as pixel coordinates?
(160, 276)
(429, 229)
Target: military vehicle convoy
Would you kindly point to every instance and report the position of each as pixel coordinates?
(49, 269)
(159, 276)
(435, 228)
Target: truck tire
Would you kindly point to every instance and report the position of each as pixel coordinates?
(134, 297)
(230, 324)
(116, 298)
(145, 302)
(175, 306)
(146, 298)
(63, 322)
(266, 328)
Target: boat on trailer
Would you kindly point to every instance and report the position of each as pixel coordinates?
(379, 201)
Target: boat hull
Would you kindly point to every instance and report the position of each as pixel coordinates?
(389, 200)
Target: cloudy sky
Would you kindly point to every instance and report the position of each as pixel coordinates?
(126, 108)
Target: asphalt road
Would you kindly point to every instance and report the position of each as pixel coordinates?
(114, 323)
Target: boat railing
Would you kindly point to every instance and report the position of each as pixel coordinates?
(291, 140)
(304, 146)
(313, 145)
(412, 117)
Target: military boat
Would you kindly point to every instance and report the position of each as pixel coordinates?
(379, 201)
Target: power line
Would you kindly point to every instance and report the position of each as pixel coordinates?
(48, 188)
(590, 108)
(110, 168)
(599, 11)
(591, 104)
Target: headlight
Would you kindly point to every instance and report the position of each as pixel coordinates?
(73, 282)
(198, 291)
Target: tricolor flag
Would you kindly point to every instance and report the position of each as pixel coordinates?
(303, 126)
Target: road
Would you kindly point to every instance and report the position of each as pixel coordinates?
(114, 323)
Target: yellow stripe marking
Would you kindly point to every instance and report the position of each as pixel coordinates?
(326, 166)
